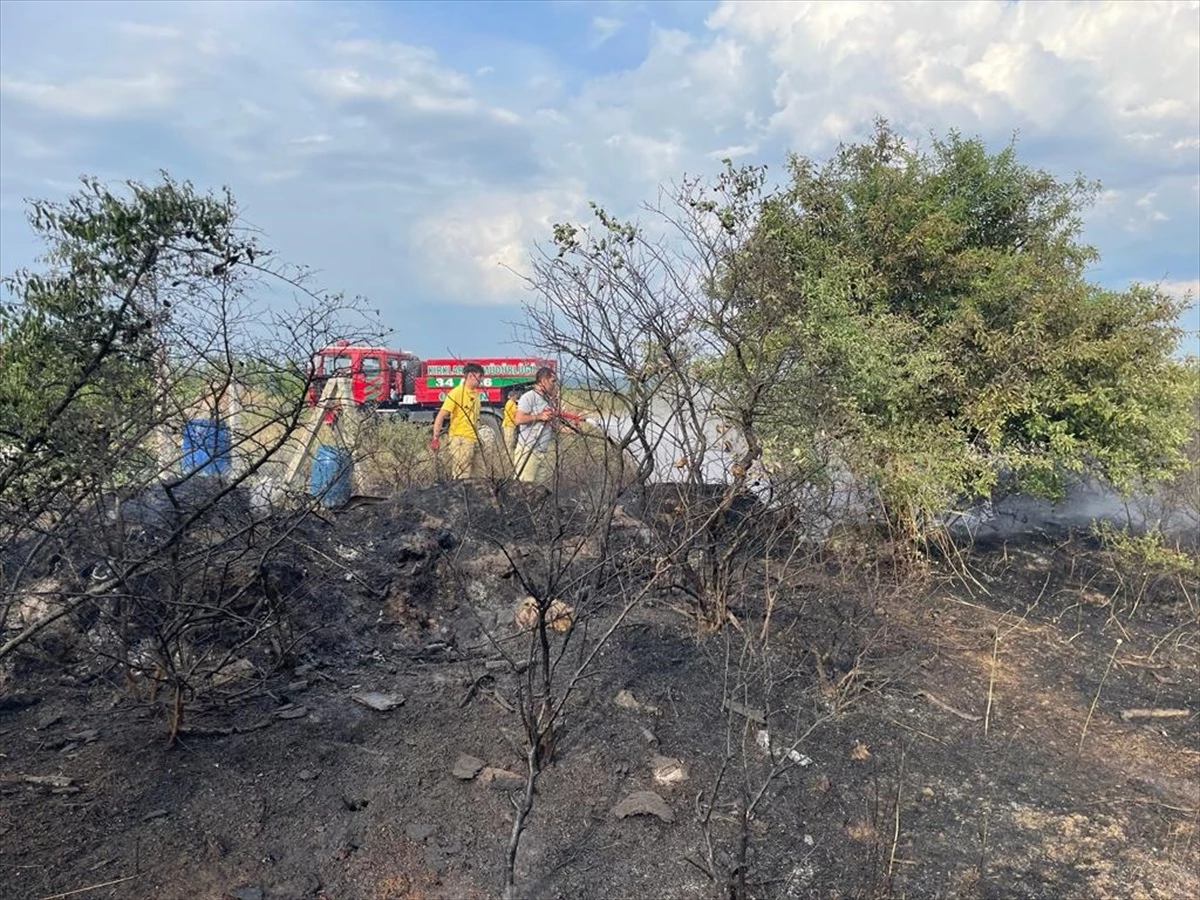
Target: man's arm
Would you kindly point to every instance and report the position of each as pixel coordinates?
(443, 413)
(437, 427)
(524, 418)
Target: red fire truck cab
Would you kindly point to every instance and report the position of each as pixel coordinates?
(378, 376)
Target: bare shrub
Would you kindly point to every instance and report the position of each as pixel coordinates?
(125, 549)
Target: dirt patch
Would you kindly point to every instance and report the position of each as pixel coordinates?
(959, 735)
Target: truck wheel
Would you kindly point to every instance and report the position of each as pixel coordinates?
(491, 435)
(491, 422)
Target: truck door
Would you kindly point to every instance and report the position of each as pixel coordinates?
(394, 379)
(410, 367)
(316, 378)
(336, 364)
(373, 381)
(339, 365)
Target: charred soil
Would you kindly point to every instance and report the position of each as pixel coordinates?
(1001, 723)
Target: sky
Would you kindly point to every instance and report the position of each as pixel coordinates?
(416, 153)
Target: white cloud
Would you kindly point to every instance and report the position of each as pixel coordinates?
(31, 147)
(313, 139)
(479, 248)
(1180, 290)
(653, 157)
(146, 30)
(997, 65)
(1148, 210)
(351, 84)
(394, 72)
(95, 98)
(603, 28)
(735, 152)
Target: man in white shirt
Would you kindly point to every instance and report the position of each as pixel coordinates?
(535, 427)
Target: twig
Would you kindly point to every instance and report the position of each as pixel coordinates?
(983, 836)
(754, 715)
(473, 688)
(494, 696)
(521, 811)
(987, 713)
(707, 874)
(1141, 801)
(917, 731)
(940, 704)
(1126, 661)
(90, 887)
(896, 829)
(1157, 713)
(1096, 699)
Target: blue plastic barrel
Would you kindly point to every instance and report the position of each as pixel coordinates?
(329, 479)
(205, 447)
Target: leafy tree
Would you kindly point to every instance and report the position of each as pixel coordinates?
(83, 342)
(146, 299)
(153, 305)
(937, 315)
(917, 322)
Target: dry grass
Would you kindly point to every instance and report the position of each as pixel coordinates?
(590, 400)
(393, 454)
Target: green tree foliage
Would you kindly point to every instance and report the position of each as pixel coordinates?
(936, 319)
(152, 306)
(82, 351)
(918, 322)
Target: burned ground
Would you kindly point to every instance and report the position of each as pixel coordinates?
(973, 729)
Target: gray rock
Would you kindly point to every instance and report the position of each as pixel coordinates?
(378, 702)
(306, 775)
(436, 860)
(501, 779)
(419, 831)
(296, 886)
(626, 700)
(644, 803)
(248, 893)
(668, 770)
(467, 767)
(48, 718)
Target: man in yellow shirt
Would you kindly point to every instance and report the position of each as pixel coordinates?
(462, 407)
(508, 425)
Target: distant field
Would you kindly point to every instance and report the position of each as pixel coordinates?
(589, 400)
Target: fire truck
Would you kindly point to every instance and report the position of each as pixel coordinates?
(401, 383)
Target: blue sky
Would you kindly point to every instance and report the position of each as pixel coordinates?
(415, 152)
